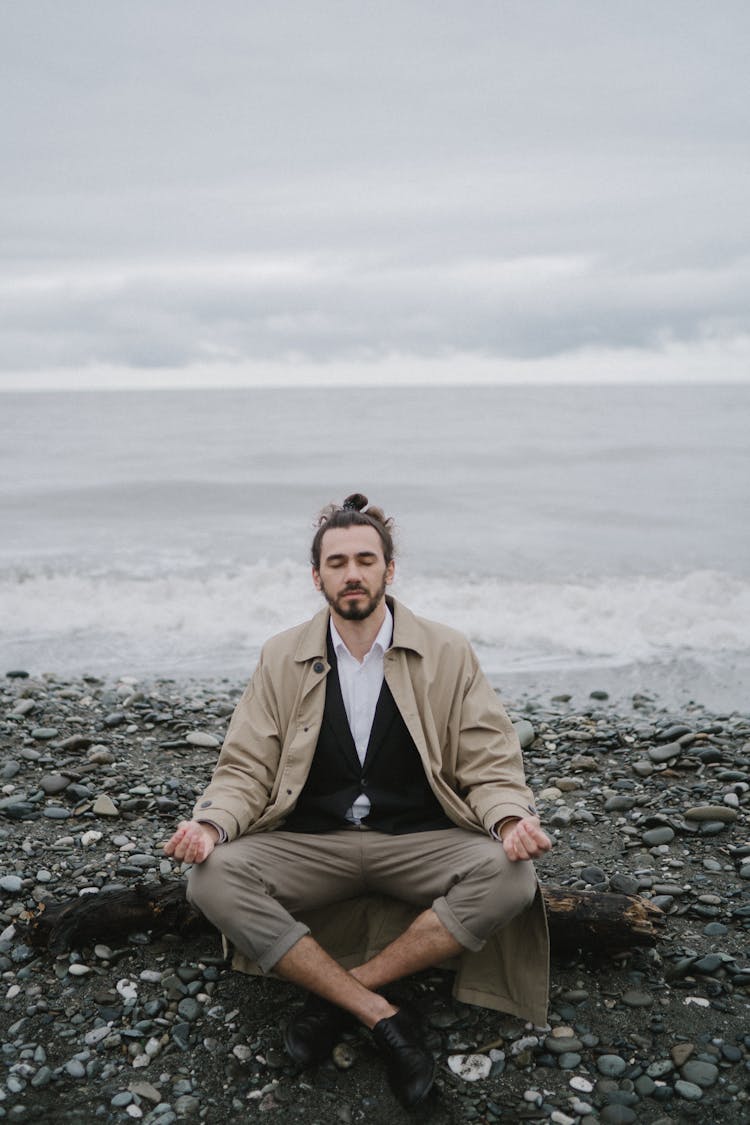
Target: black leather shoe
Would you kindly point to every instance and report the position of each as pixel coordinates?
(314, 1030)
(411, 1067)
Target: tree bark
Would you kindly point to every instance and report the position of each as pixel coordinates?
(587, 920)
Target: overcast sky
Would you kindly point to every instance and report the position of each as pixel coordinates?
(231, 191)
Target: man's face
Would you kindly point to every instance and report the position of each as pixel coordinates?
(353, 573)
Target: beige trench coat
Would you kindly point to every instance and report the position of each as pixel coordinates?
(471, 757)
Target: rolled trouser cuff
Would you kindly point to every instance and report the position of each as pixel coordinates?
(281, 946)
(455, 928)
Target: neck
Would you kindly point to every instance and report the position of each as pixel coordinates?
(359, 636)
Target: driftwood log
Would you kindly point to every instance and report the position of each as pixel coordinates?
(588, 920)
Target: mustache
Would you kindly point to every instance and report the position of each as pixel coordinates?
(354, 590)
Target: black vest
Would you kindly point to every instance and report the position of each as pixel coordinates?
(392, 776)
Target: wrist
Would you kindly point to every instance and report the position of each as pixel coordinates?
(504, 826)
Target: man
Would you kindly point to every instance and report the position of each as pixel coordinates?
(367, 756)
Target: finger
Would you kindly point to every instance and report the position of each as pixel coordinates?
(179, 834)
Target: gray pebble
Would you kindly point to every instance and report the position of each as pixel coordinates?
(624, 884)
(11, 884)
(635, 999)
(53, 783)
(700, 1073)
(618, 1115)
(525, 731)
(189, 1008)
(56, 812)
(688, 1090)
(720, 813)
(653, 837)
(660, 754)
(611, 1066)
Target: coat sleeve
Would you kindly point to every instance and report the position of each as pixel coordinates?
(489, 766)
(242, 782)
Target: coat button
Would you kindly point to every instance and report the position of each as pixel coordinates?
(318, 666)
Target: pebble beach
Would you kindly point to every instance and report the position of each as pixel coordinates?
(95, 774)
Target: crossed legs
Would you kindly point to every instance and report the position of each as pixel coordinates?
(252, 888)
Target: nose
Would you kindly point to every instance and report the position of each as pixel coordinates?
(352, 573)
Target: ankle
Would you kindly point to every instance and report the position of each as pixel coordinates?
(378, 1010)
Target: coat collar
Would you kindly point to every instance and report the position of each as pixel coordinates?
(407, 632)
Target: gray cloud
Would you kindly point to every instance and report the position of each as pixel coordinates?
(185, 182)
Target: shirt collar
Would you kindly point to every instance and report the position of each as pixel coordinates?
(382, 641)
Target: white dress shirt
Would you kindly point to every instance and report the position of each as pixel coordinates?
(360, 688)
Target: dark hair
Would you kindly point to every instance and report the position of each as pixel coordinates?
(351, 514)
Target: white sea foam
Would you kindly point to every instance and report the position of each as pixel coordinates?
(214, 624)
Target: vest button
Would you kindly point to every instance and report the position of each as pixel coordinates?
(318, 666)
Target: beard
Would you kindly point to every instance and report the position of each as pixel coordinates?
(358, 610)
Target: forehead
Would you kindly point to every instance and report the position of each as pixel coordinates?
(348, 541)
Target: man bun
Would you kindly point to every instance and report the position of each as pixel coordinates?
(355, 503)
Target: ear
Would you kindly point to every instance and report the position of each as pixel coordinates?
(316, 578)
(390, 570)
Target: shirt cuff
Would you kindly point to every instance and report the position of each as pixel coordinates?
(497, 828)
(223, 836)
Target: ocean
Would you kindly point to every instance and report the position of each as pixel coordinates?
(583, 537)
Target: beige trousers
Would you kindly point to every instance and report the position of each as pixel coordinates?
(251, 888)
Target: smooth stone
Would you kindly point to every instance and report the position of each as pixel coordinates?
(104, 806)
(619, 804)
(681, 1052)
(660, 754)
(569, 1060)
(611, 1066)
(76, 742)
(660, 1068)
(189, 1008)
(74, 1068)
(563, 1044)
(635, 999)
(624, 884)
(688, 1090)
(525, 731)
(200, 738)
(57, 812)
(593, 875)
(54, 783)
(709, 964)
(618, 1115)
(343, 1056)
(44, 734)
(720, 813)
(653, 837)
(22, 707)
(472, 1068)
(115, 719)
(703, 1074)
(677, 730)
(11, 884)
